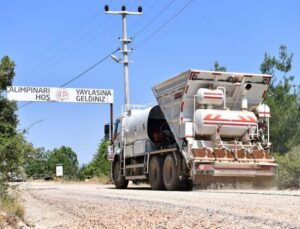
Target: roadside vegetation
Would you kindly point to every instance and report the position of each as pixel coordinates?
(283, 98)
(13, 147)
(99, 167)
(41, 164)
(11, 205)
(288, 172)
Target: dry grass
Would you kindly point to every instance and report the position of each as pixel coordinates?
(7, 221)
(11, 212)
(11, 206)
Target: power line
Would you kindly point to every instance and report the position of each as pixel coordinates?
(64, 37)
(144, 12)
(163, 25)
(79, 75)
(154, 19)
(56, 57)
(76, 48)
(25, 105)
(90, 68)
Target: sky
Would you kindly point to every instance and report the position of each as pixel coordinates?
(52, 41)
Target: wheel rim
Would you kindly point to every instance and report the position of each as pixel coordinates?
(168, 171)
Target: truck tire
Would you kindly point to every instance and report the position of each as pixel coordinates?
(170, 173)
(156, 173)
(119, 180)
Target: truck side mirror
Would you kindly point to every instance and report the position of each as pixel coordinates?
(106, 131)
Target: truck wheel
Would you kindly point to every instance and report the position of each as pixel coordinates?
(170, 173)
(156, 173)
(119, 180)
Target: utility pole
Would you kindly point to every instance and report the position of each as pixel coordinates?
(125, 41)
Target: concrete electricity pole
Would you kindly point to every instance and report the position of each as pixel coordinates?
(125, 41)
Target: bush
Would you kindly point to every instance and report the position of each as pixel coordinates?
(99, 166)
(288, 171)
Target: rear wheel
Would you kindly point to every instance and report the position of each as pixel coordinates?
(119, 180)
(156, 173)
(170, 173)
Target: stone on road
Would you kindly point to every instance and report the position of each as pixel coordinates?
(80, 205)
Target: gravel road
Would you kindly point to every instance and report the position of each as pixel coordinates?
(80, 205)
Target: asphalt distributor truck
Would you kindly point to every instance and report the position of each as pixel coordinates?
(208, 128)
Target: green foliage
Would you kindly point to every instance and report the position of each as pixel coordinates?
(13, 146)
(288, 171)
(65, 156)
(13, 153)
(2, 186)
(8, 118)
(7, 72)
(37, 163)
(100, 161)
(218, 67)
(86, 171)
(99, 166)
(283, 101)
(41, 163)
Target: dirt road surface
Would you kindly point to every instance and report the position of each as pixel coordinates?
(80, 205)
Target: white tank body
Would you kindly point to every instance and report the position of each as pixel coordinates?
(146, 125)
(136, 125)
(231, 123)
(210, 97)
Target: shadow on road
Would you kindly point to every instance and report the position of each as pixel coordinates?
(134, 188)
